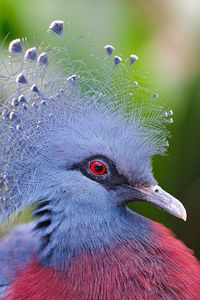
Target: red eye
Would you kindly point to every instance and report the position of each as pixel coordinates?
(98, 168)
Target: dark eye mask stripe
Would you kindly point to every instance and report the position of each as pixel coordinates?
(111, 179)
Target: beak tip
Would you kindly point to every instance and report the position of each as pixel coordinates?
(181, 214)
(184, 217)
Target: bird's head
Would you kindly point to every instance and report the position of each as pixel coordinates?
(82, 147)
(98, 161)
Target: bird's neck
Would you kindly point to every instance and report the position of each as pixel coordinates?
(94, 232)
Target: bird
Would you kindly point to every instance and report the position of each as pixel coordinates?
(77, 141)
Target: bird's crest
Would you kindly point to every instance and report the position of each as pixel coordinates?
(43, 89)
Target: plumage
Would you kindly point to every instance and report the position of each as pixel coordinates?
(77, 145)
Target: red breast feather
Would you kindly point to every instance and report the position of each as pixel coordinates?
(167, 270)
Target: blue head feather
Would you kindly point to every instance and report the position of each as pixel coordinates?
(51, 120)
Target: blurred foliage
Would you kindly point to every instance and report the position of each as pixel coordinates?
(166, 36)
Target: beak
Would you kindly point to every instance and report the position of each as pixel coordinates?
(157, 196)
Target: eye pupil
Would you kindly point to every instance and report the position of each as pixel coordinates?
(98, 168)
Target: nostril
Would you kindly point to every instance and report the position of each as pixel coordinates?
(156, 191)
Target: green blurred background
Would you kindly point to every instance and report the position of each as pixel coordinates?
(166, 36)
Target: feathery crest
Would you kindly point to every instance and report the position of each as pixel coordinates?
(44, 91)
